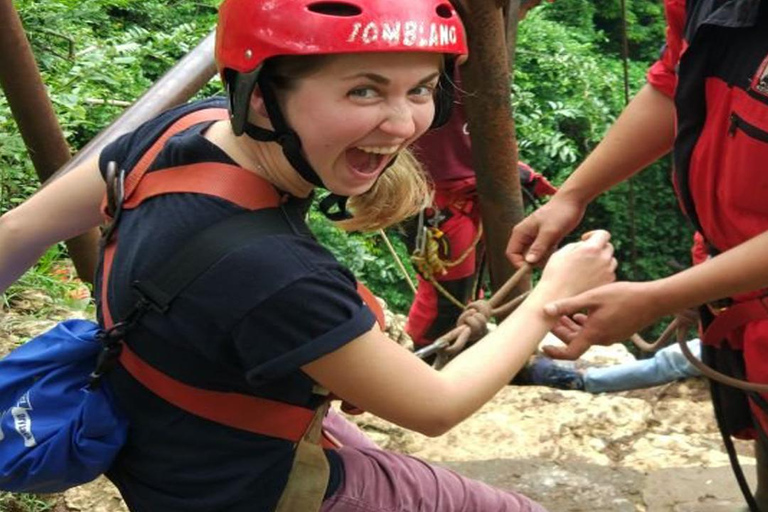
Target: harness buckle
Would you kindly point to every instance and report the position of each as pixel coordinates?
(719, 306)
(115, 197)
(111, 341)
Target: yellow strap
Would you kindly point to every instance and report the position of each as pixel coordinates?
(308, 479)
(429, 262)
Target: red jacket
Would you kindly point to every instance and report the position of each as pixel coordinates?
(715, 65)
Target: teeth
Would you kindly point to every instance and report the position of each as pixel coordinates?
(379, 150)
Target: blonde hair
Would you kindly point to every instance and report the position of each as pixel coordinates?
(400, 192)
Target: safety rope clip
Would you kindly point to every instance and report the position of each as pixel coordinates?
(111, 340)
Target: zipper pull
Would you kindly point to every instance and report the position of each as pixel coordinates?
(734, 125)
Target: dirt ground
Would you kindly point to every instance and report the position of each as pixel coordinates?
(654, 450)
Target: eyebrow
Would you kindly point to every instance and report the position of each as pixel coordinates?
(379, 79)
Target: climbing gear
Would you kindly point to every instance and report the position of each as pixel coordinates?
(398, 261)
(630, 182)
(245, 412)
(456, 339)
(432, 248)
(724, 366)
(250, 32)
(249, 191)
(726, 320)
(430, 254)
(679, 325)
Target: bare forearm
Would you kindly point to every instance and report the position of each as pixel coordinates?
(739, 270)
(66, 208)
(479, 372)
(16, 253)
(407, 392)
(643, 133)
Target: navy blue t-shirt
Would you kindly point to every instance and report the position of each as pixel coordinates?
(246, 325)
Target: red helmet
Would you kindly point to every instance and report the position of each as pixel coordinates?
(251, 31)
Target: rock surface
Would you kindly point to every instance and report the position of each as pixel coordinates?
(655, 450)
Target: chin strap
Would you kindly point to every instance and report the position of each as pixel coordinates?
(331, 201)
(282, 134)
(333, 206)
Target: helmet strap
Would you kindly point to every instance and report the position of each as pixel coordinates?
(287, 138)
(334, 207)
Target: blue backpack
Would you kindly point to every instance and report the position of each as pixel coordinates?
(49, 410)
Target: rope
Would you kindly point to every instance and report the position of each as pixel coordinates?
(713, 374)
(480, 311)
(468, 251)
(630, 182)
(680, 326)
(428, 261)
(448, 295)
(681, 323)
(398, 260)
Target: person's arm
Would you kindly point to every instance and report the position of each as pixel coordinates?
(619, 309)
(381, 377)
(643, 133)
(61, 210)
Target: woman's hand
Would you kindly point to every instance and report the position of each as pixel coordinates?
(579, 267)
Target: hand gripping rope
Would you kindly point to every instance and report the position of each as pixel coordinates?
(472, 323)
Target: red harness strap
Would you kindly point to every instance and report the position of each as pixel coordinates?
(229, 182)
(734, 317)
(189, 120)
(373, 304)
(244, 412)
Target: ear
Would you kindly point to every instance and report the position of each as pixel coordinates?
(256, 103)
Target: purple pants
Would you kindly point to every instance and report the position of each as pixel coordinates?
(376, 480)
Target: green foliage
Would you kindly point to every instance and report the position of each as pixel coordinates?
(601, 22)
(663, 237)
(17, 177)
(52, 277)
(24, 503)
(567, 93)
(91, 53)
(369, 259)
(115, 50)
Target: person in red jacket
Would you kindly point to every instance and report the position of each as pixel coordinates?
(453, 224)
(707, 96)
